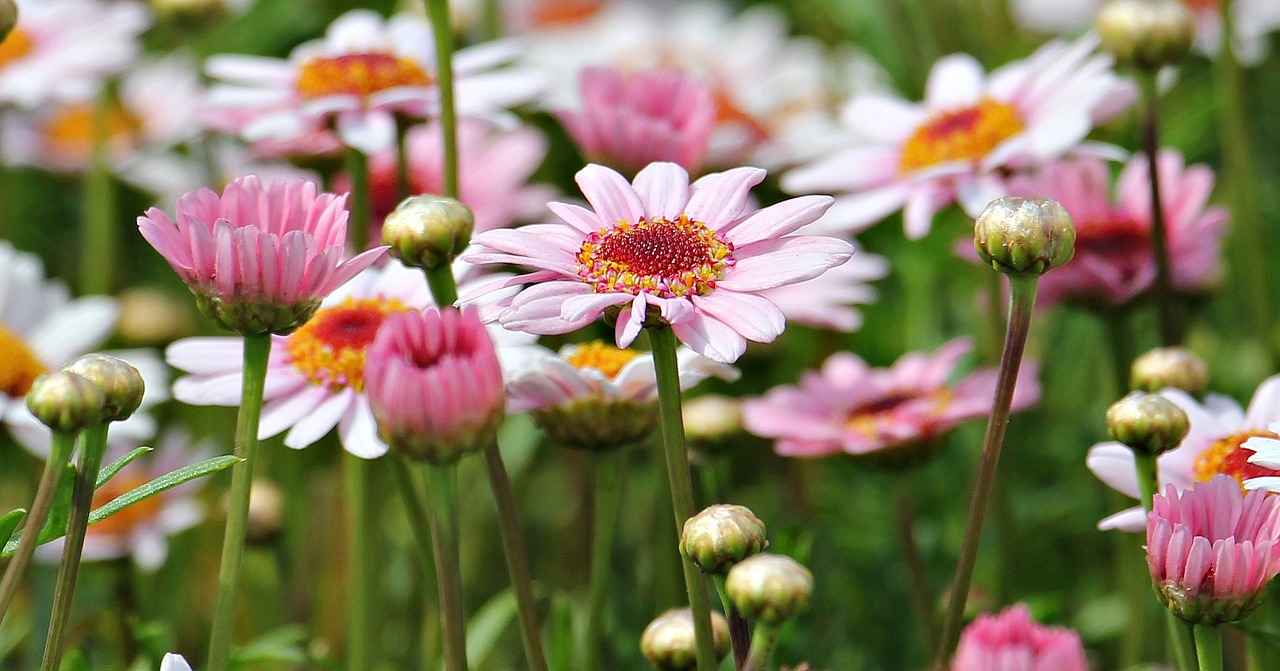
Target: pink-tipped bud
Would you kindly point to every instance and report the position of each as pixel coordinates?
(770, 588)
(1147, 423)
(669, 644)
(722, 535)
(65, 402)
(434, 384)
(1175, 367)
(428, 231)
(121, 385)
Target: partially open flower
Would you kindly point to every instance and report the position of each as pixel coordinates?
(1175, 367)
(1148, 423)
(769, 588)
(121, 384)
(722, 535)
(1020, 236)
(1146, 34)
(1012, 641)
(65, 402)
(668, 642)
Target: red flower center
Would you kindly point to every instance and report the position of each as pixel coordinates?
(360, 75)
(1228, 457)
(1123, 243)
(658, 256)
(19, 366)
(330, 348)
(966, 134)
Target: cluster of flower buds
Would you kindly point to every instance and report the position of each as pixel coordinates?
(93, 389)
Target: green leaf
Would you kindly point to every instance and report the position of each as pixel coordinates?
(109, 471)
(55, 526)
(160, 484)
(282, 645)
(10, 521)
(484, 630)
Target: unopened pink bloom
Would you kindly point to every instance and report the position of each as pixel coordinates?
(434, 384)
(696, 254)
(850, 408)
(1212, 550)
(628, 122)
(258, 258)
(1012, 641)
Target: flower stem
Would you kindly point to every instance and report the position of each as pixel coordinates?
(360, 575)
(59, 453)
(1022, 301)
(438, 13)
(517, 562)
(99, 245)
(668, 374)
(442, 489)
(1147, 482)
(404, 184)
(420, 525)
(1170, 330)
(443, 287)
(739, 627)
(762, 644)
(1208, 647)
(359, 206)
(93, 443)
(608, 496)
(257, 349)
(1184, 646)
(914, 565)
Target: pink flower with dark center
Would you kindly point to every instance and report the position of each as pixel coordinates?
(1012, 641)
(695, 255)
(434, 384)
(258, 258)
(1212, 550)
(850, 408)
(628, 122)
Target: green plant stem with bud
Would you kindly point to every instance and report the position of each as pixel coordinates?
(514, 551)
(1208, 647)
(763, 641)
(663, 341)
(257, 348)
(607, 483)
(442, 31)
(442, 490)
(59, 454)
(1022, 302)
(404, 183)
(93, 444)
(99, 245)
(1170, 329)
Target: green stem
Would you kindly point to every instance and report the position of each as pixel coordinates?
(360, 572)
(491, 20)
(420, 525)
(1208, 647)
(739, 627)
(99, 245)
(1117, 325)
(257, 348)
(517, 557)
(1184, 646)
(444, 289)
(359, 205)
(1022, 301)
(762, 644)
(438, 13)
(1170, 330)
(442, 489)
(608, 497)
(911, 559)
(404, 185)
(59, 454)
(93, 443)
(665, 366)
(1148, 484)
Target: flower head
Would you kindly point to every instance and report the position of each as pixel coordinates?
(1012, 641)
(1212, 550)
(694, 254)
(259, 258)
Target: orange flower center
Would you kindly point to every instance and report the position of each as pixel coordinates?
(551, 13)
(601, 356)
(19, 366)
(329, 349)
(360, 75)
(17, 46)
(69, 132)
(868, 419)
(960, 135)
(659, 256)
(729, 112)
(1228, 457)
(124, 522)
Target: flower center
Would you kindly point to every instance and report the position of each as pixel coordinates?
(550, 13)
(69, 132)
(19, 366)
(329, 349)
(360, 75)
(960, 135)
(1124, 244)
(729, 112)
(667, 258)
(1228, 457)
(869, 419)
(126, 521)
(1201, 5)
(17, 46)
(601, 356)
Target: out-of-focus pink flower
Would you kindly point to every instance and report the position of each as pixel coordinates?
(434, 384)
(957, 143)
(1012, 641)
(694, 253)
(627, 122)
(258, 258)
(827, 300)
(1212, 550)
(850, 408)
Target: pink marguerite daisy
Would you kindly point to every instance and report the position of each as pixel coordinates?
(1012, 641)
(694, 253)
(827, 301)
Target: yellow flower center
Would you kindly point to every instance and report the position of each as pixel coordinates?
(960, 135)
(868, 420)
(552, 13)
(17, 46)
(329, 349)
(124, 522)
(1228, 457)
(601, 356)
(69, 132)
(360, 75)
(659, 256)
(19, 366)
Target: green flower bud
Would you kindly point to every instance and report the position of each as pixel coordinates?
(598, 424)
(1148, 423)
(711, 420)
(1020, 236)
(1175, 367)
(121, 384)
(65, 402)
(428, 231)
(769, 588)
(1146, 34)
(722, 535)
(668, 642)
(8, 17)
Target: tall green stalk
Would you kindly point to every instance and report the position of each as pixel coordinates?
(99, 244)
(442, 31)
(59, 453)
(257, 349)
(1170, 330)
(357, 477)
(517, 562)
(607, 484)
(442, 490)
(920, 593)
(419, 524)
(1208, 647)
(666, 367)
(359, 206)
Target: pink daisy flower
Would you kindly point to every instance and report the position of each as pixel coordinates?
(827, 301)
(1012, 641)
(1212, 550)
(359, 77)
(694, 253)
(921, 157)
(1218, 442)
(259, 257)
(850, 408)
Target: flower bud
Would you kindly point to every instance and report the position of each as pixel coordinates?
(149, 316)
(769, 588)
(1020, 236)
(8, 17)
(1169, 367)
(1148, 423)
(1146, 34)
(711, 420)
(669, 643)
(428, 231)
(121, 384)
(266, 512)
(722, 535)
(65, 402)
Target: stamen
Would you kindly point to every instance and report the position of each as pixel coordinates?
(360, 75)
(330, 348)
(960, 135)
(1228, 456)
(19, 366)
(601, 356)
(662, 257)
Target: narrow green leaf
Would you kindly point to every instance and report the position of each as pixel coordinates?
(55, 526)
(281, 645)
(10, 521)
(485, 628)
(109, 471)
(160, 484)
